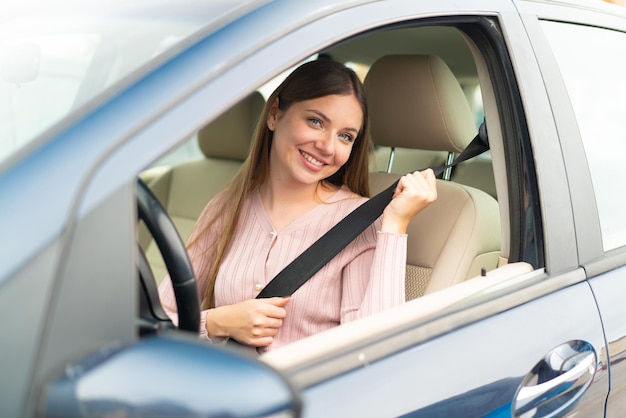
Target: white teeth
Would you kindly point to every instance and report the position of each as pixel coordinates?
(311, 159)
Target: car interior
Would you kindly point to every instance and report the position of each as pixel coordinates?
(428, 91)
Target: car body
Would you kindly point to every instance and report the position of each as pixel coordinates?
(94, 94)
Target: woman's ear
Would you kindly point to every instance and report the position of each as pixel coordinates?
(272, 115)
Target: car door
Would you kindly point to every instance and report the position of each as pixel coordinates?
(593, 137)
(533, 346)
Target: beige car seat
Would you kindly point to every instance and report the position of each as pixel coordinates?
(416, 102)
(478, 173)
(185, 189)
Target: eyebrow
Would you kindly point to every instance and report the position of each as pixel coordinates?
(327, 119)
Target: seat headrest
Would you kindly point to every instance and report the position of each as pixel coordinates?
(229, 135)
(416, 102)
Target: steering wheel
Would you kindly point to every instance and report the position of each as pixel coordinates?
(174, 254)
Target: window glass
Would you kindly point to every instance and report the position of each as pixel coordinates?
(593, 64)
(41, 76)
(51, 64)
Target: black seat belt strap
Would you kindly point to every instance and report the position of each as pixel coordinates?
(345, 231)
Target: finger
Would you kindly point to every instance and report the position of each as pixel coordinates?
(263, 332)
(256, 341)
(417, 178)
(427, 173)
(274, 323)
(417, 186)
(415, 181)
(275, 312)
(405, 182)
(425, 182)
(429, 176)
(412, 183)
(267, 322)
(275, 307)
(268, 310)
(432, 183)
(279, 301)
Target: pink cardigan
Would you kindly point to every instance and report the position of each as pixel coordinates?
(365, 278)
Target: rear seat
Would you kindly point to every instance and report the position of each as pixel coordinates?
(416, 102)
(185, 189)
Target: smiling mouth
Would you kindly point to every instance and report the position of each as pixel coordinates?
(312, 160)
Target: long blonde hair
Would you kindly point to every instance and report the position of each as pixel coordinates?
(311, 80)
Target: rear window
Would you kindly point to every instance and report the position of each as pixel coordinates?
(593, 61)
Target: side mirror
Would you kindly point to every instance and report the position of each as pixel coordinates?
(169, 376)
(19, 64)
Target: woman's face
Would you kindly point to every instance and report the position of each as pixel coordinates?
(313, 138)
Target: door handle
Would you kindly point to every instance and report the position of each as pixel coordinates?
(557, 381)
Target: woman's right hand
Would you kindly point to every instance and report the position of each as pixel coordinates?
(415, 191)
(253, 322)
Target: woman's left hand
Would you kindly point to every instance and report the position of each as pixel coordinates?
(414, 192)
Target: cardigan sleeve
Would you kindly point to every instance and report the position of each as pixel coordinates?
(383, 265)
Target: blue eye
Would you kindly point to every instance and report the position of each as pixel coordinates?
(315, 121)
(347, 137)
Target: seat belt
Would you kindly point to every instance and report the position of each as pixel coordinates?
(296, 273)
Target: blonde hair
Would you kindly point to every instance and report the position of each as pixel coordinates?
(311, 80)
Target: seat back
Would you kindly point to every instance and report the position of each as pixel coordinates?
(477, 172)
(416, 102)
(185, 189)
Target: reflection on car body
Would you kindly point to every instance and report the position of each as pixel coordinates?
(95, 96)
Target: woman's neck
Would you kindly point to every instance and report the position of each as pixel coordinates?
(285, 204)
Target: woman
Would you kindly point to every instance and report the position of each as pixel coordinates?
(307, 169)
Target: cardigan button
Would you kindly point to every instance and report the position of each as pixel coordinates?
(258, 286)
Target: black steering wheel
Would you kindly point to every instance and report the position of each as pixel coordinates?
(174, 254)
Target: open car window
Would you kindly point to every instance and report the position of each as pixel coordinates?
(208, 170)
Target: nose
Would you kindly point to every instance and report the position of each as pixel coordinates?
(326, 144)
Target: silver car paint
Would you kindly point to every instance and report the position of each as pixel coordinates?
(87, 273)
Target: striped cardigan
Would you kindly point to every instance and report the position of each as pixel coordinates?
(365, 278)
